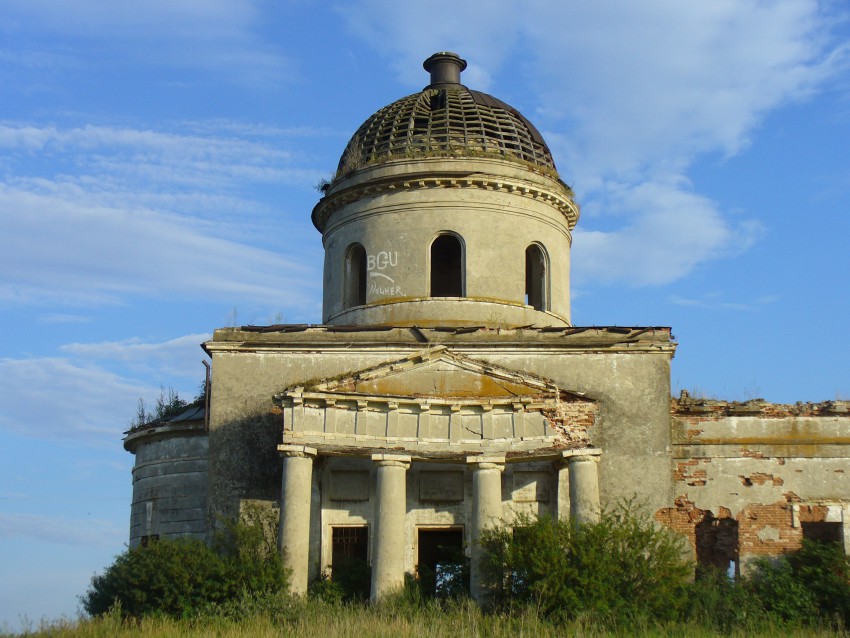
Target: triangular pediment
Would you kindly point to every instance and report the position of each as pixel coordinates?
(436, 404)
(439, 373)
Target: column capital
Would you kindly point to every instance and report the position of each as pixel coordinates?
(391, 460)
(487, 461)
(581, 454)
(298, 451)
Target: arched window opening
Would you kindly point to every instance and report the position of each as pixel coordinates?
(446, 267)
(355, 276)
(536, 278)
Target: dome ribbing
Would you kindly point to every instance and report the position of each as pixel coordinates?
(446, 119)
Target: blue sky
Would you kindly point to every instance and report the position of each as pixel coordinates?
(158, 163)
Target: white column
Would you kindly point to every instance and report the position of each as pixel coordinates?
(296, 487)
(562, 504)
(390, 533)
(584, 485)
(486, 512)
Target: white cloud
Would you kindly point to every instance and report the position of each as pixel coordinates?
(161, 158)
(145, 212)
(90, 393)
(647, 85)
(220, 37)
(62, 249)
(721, 301)
(57, 399)
(60, 530)
(628, 95)
(666, 231)
(176, 358)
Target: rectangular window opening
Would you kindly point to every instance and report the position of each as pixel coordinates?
(349, 561)
(442, 567)
(823, 532)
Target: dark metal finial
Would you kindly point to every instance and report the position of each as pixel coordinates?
(445, 67)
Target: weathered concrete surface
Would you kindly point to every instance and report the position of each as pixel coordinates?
(396, 209)
(388, 565)
(294, 538)
(767, 467)
(437, 405)
(486, 513)
(622, 373)
(169, 481)
(585, 506)
(626, 373)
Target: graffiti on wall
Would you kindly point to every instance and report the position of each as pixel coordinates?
(381, 283)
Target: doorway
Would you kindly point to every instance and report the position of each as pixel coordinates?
(349, 561)
(442, 567)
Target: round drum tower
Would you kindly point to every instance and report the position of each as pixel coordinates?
(447, 210)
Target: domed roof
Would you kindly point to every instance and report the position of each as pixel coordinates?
(446, 119)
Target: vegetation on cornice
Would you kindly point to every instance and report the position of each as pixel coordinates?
(168, 405)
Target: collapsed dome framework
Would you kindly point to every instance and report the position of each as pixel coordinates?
(446, 119)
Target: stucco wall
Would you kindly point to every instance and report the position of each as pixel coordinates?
(397, 209)
(770, 468)
(627, 376)
(169, 482)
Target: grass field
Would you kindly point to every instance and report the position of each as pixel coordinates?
(312, 619)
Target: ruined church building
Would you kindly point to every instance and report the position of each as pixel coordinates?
(447, 389)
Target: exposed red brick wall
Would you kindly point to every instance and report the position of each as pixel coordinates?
(763, 530)
(682, 519)
(685, 517)
(687, 472)
(757, 524)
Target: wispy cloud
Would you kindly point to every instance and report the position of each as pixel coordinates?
(61, 530)
(629, 95)
(175, 358)
(162, 158)
(665, 231)
(89, 393)
(721, 301)
(54, 247)
(218, 37)
(57, 399)
(142, 212)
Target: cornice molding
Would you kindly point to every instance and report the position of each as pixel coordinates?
(335, 201)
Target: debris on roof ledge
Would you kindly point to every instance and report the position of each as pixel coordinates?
(716, 408)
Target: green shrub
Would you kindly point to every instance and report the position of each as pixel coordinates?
(783, 598)
(824, 569)
(350, 582)
(249, 544)
(806, 588)
(618, 570)
(183, 578)
(715, 600)
(175, 578)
